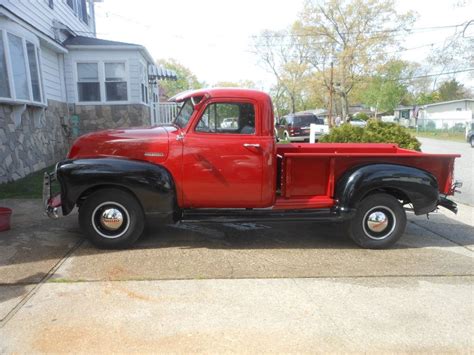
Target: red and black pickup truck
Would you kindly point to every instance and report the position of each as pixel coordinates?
(219, 162)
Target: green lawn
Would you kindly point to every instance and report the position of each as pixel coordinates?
(442, 135)
(31, 186)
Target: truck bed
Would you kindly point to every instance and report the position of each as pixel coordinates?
(309, 172)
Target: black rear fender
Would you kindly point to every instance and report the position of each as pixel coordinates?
(412, 185)
(151, 184)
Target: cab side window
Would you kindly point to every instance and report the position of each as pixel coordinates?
(236, 118)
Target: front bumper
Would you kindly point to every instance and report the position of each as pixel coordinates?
(51, 202)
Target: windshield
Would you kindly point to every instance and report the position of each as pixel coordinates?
(184, 114)
(302, 121)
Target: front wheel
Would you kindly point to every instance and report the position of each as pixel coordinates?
(379, 222)
(472, 142)
(112, 218)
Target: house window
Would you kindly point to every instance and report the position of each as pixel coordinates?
(144, 84)
(88, 85)
(51, 4)
(34, 72)
(70, 3)
(82, 10)
(17, 58)
(19, 69)
(4, 87)
(115, 82)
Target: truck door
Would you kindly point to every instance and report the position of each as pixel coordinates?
(222, 157)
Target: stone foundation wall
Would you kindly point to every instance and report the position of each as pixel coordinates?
(34, 138)
(98, 117)
(31, 138)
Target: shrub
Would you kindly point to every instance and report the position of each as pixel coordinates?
(374, 132)
(362, 116)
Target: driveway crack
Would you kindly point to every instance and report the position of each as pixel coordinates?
(37, 286)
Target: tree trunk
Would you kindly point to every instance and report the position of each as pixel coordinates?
(344, 107)
(293, 104)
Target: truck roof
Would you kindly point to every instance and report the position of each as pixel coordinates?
(221, 92)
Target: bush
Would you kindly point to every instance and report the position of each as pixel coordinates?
(362, 116)
(374, 132)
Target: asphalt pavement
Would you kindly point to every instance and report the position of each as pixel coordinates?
(293, 287)
(463, 168)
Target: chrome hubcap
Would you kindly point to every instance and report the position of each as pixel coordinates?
(111, 219)
(377, 221)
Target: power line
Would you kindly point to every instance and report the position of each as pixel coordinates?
(434, 74)
(416, 29)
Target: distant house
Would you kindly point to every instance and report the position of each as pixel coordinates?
(58, 80)
(447, 115)
(406, 115)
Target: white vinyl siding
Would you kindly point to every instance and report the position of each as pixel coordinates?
(51, 65)
(41, 16)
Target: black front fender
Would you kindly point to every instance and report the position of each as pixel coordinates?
(418, 186)
(151, 184)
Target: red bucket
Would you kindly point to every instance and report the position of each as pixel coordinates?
(5, 214)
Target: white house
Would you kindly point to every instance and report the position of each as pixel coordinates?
(446, 115)
(58, 80)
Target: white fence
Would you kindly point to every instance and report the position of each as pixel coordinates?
(163, 112)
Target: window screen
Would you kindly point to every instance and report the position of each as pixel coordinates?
(88, 85)
(115, 82)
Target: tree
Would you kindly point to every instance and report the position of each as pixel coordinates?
(456, 51)
(353, 35)
(247, 84)
(186, 79)
(280, 53)
(387, 89)
(451, 90)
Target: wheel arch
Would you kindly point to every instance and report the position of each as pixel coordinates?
(413, 185)
(151, 184)
(86, 193)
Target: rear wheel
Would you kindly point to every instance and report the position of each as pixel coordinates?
(379, 222)
(111, 218)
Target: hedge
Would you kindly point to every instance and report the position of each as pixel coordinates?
(375, 132)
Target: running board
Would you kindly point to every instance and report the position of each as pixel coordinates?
(262, 215)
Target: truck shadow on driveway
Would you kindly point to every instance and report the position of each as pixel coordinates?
(245, 250)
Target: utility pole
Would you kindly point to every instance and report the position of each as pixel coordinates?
(330, 96)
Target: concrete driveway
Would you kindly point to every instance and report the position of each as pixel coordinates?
(294, 287)
(463, 168)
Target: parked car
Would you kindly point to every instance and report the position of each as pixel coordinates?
(470, 134)
(357, 122)
(192, 172)
(296, 127)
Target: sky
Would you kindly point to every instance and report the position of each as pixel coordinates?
(213, 37)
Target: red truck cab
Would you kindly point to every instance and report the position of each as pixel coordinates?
(219, 161)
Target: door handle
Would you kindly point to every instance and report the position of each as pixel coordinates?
(251, 145)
